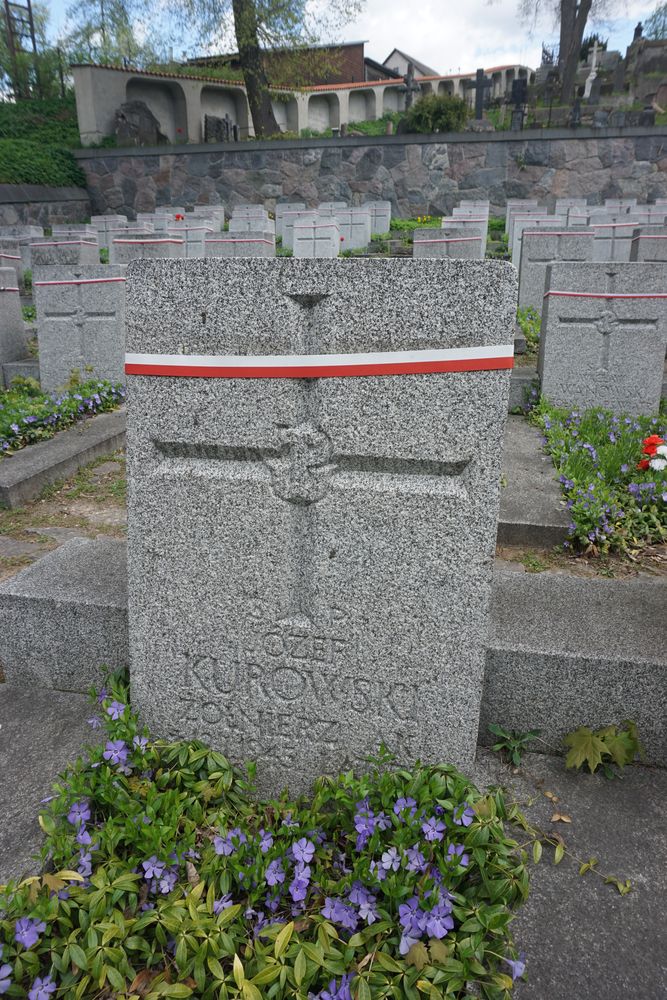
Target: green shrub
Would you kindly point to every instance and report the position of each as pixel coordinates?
(49, 123)
(437, 113)
(167, 877)
(24, 162)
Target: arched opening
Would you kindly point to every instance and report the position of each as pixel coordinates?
(286, 113)
(362, 106)
(392, 99)
(426, 89)
(219, 101)
(167, 102)
(446, 87)
(323, 112)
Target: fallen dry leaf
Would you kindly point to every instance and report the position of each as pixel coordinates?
(561, 818)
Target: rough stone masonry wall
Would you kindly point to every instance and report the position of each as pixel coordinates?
(418, 174)
(39, 205)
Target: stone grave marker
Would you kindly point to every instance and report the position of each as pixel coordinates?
(649, 245)
(80, 322)
(316, 237)
(604, 335)
(613, 240)
(151, 247)
(563, 205)
(82, 231)
(10, 256)
(517, 205)
(103, 223)
(68, 252)
(12, 332)
(284, 209)
(193, 236)
(449, 242)
(542, 247)
(310, 542)
(25, 235)
(380, 216)
(530, 216)
(290, 219)
(216, 213)
(250, 244)
(521, 224)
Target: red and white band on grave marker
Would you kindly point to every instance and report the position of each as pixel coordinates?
(453, 239)
(9, 289)
(141, 242)
(606, 295)
(258, 240)
(9, 256)
(553, 232)
(453, 359)
(646, 236)
(79, 281)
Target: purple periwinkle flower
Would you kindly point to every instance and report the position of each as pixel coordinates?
(335, 992)
(275, 873)
(463, 815)
(153, 868)
(439, 920)
(339, 913)
(402, 804)
(303, 851)
(27, 931)
(455, 853)
(140, 743)
(42, 989)
(85, 864)
(391, 860)
(5, 973)
(167, 882)
(416, 861)
(433, 829)
(517, 965)
(222, 904)
(94, 722)
(79, 813)
(115, 752)
(115, 710)
(299, 886)
(229, 844)
(265, 840)
(83, 837)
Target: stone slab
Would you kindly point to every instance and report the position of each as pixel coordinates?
(604, 336)
(581, 938)
(150, 247)
(568, 651)
(41, 732)
(68, 252)
(649, 245)
(531, 509)
(294, 523)
(10, 256)
(539, 249)
(241, 244)
(56, 629)
(451, 242)
(25, 474)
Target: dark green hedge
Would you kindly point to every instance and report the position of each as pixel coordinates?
(23, 162)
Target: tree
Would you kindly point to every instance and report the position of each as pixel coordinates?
(256, 25)
(655, 27)
(105, 31)
(26, 74)
(572, 17)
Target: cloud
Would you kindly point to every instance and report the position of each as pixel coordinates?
(462, 36)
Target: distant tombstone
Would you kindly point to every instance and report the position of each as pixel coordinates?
(613, 240)
(409, 87)
(286, 209)
(542, 247)
(592, 77)
(600, 119)
(604, 335)
(355, 227)
(68, 252)
(517, 119)
(12, 333)
(150, 247)
(136, 125)
(10, 256)
(326, 541)
(647, 117)
(193, 236)
(319, 237)
(380, 216)
(544, 223)
(474, 226)
(650, 245)
(80, 322)
(519, 92)
(248, 244)
(617, 119)
(575, 114)
(447, 243)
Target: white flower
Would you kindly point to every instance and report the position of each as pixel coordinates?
(662, 450)
(659, 464)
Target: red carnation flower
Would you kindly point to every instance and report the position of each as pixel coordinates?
(643, 465)
(651, 444)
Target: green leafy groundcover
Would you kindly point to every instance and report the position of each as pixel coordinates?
(615, 502)
(27, 414)
(25, 162)
(172, 879)
(49, 122)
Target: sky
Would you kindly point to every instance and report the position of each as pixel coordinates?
(468, 34)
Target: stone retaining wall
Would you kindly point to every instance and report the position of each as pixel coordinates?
(39, 205)
(418, 174)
